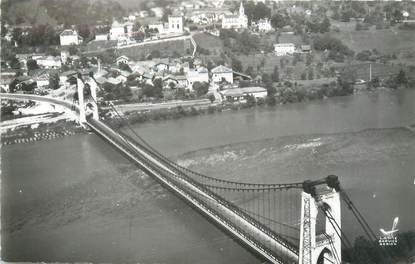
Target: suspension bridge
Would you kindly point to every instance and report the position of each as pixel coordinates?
(285, 223)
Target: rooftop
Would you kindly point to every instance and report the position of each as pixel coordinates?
(221, 69)
(69, 32)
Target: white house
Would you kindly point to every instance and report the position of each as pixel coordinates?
(220, 73)
(143, 13)
(122, 59)
(282, 49)
(64, 56)
(70, 37)
(101, 36)
(117, 30)
(159, 26)
(49, 62)
(201, 74)
(236, 21)
(264, 25)
(161, 66)
(176, 24)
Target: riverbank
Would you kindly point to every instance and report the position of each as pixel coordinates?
(42, 130)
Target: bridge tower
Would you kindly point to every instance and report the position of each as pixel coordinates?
(87, 99)
(321, 248)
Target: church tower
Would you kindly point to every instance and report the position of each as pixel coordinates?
(241, 10)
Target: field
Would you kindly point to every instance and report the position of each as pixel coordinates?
(392, 40)
(210, 42)
(166, 49)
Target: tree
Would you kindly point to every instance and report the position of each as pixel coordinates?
(158, 87)
(275, 74)
(136, 26)
(14, 62)
(278, 21)
(260, 11)
(325, 25)
(201, 88)
(53, 80)
(172, 85)
(250, 100)
(31, 65)
(73, 50)
(250, 71)
(310, 73)
(166, 13)
(401, 79)
(236, 65)
(303, 75)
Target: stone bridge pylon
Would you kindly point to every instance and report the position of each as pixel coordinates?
(87, 98)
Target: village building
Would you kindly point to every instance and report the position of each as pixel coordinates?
(157, 26)
(306, 48)
(49, 62)
(161, 66)
(207, 15)
(70, 37)
(282, 49)
(236, 21)
(264, 25)
(176, 24)
(120, 30)
(122, 59)
(221, 73)
(101, 36)
(41, 77)
(240, 94)
(117, 30)
(64, 56)
(201, 74)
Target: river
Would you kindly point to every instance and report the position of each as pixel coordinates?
(77, 199)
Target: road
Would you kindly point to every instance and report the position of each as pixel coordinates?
(172, 104)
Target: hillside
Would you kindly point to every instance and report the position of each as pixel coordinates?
(53, 12)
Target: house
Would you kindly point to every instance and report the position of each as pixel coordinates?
(70, 37)
(117, 30)
(207, 15)
(201, 74)
(131, 18)
(157, 26)
(176, 24)
(264, 25)
(221, 73)
(122, 59)
(181, 81)
(236, 21)
(49, 62)
(114, 81)
(170, 80)
(306, 48)
(64, 56)
(143, 13)
(40, 76)
(238, 94)
(282, 49)
(161, 66)
(65, 76)
(101, 36)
